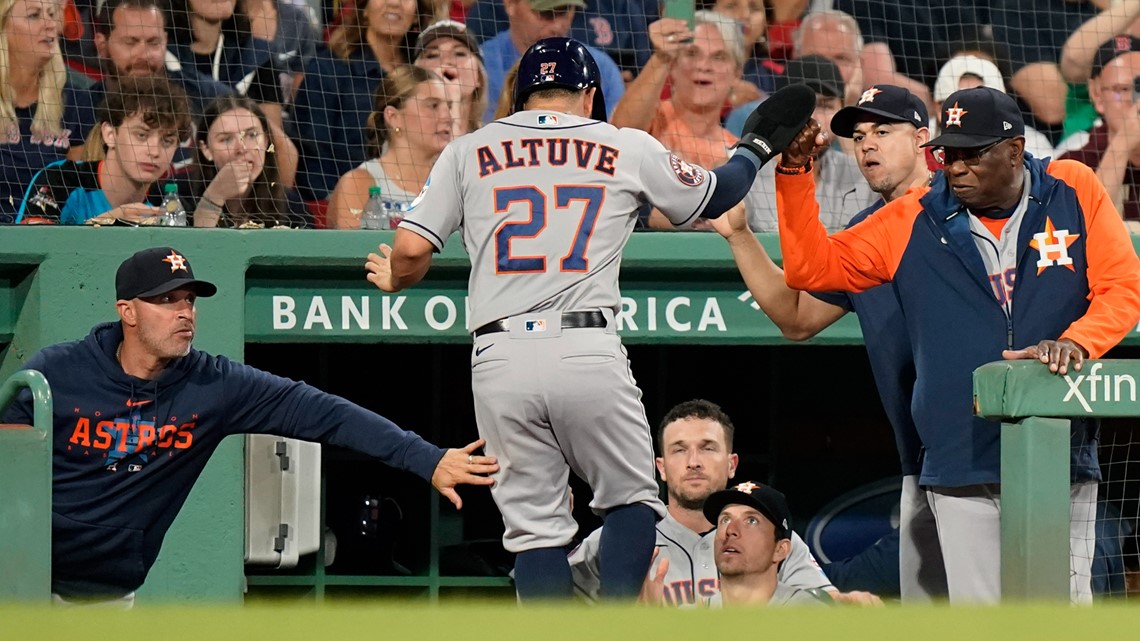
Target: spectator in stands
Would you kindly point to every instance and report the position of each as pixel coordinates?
(1112, 147)
(618, 27)
(702, 66)
(506, 104)
(234, 181)
(446, 48)
(291, 37)
(214, 39)
(968, 71)
(903, 39)
(840, 188)
(335, 99)
(130, 38)
(41, 117)
(531, 21)
(1034, 31)
(834, 35)
(406, 133)
(1077, 58)
(758, 69)
(140, 126)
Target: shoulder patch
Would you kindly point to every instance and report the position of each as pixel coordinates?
(690, 175)
(420, 197)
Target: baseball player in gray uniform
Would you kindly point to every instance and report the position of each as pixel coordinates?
(753, 528)
(695, 459)
(545, 200)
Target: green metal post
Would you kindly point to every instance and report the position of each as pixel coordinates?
(1035, 509)
(1034, 406)
(25, 495)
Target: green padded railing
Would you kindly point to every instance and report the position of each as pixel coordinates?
(1034, 405)
(25, 494)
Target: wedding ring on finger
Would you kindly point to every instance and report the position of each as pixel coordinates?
(470, 459)
(670, 38)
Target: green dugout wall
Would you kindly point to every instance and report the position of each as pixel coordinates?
(308, 287)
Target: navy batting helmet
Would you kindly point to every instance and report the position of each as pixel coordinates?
(559, 62)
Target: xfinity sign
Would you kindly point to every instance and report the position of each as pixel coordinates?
(1095, 387)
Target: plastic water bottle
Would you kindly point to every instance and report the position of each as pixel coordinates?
(374, 216)
(395, 217)
(173, 213)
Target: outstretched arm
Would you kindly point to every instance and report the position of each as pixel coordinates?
(797, 314)
(394, 269)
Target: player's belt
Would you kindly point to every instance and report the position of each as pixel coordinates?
(570, 320)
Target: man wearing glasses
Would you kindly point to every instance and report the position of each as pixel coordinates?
(1112, 147)
(995, 222)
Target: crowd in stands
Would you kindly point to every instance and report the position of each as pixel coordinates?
(297, 108)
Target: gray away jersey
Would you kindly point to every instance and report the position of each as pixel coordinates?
(546, 202)
(692, 578)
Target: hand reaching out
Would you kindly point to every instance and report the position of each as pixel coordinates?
(380, 268)
(462, 466)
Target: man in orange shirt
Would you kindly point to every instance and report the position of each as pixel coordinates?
(995, 223)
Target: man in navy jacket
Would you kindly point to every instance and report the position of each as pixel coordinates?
(138, 412)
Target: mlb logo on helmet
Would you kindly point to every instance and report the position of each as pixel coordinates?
(535, 326)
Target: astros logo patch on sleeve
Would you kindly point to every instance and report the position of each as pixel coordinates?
(690, 175)
(420, 197)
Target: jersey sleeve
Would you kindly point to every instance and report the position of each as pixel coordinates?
(1113, 271)
(855, 259)
(438, 210)
(800, 569)
(677, 188)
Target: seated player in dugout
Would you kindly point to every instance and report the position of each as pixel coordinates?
(753, 534)
(140, 126)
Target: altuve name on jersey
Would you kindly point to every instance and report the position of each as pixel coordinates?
(552, 152)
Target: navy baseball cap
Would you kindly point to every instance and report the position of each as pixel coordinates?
(817, 72)
(767, 500)
(155, 271)
(881, 103)
(978, 117)
(1112, 49)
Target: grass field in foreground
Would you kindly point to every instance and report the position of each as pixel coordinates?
(504, 622)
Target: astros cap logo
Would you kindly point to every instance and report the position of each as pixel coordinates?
(746, 487)
(176, 262)
(869, 95)
(954, 115)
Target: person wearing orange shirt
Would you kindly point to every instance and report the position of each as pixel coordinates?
(996, 223)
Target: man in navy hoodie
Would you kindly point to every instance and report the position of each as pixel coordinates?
(138, 412)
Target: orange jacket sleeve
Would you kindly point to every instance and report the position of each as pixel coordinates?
(855, 259)
(1114, 269)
